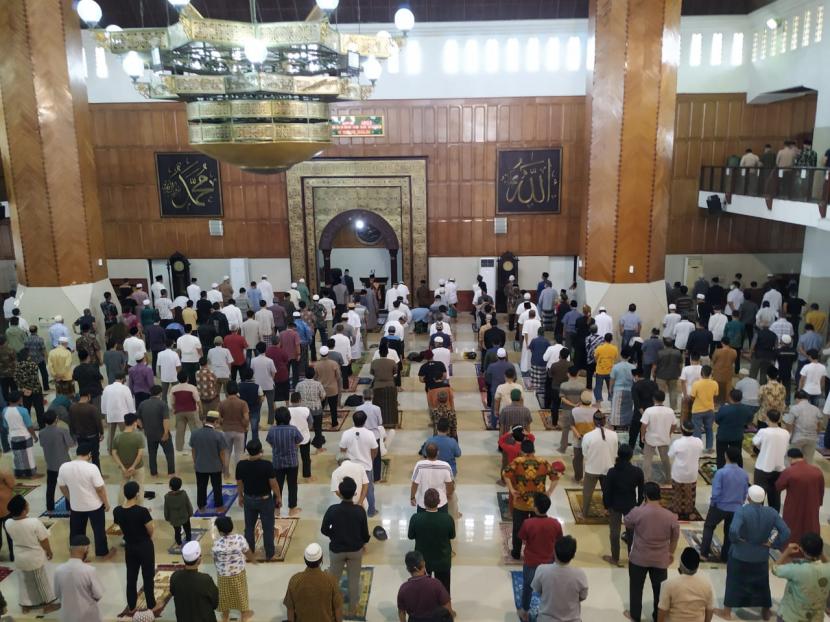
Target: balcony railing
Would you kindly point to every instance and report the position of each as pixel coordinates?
(811, 185)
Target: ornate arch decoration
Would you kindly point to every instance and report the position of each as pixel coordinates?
(388, 235)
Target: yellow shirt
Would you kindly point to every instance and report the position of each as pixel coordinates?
(189, 316)
(605, 355)
(59, 363)
(818, 319)
(703, 393)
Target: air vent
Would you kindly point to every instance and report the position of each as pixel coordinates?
(500, 226)
(216, 228)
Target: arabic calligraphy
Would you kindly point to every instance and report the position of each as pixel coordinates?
(189, 185)
(529, 181)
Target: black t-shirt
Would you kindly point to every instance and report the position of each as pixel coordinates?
(132, 521)
(493, 337)
(88, 376)
(432, 372)
(254, 475)
(795, 305)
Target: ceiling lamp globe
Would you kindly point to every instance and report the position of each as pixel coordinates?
(113, 28)
(772, 23)
(372, 69)
(89, 11)
(404, 19)
(179, 4)
(133, 65)
(328, 5)
(256, 51)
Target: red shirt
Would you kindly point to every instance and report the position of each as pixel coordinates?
(237, 345)
(290, 343)
(276, 354)
(510, 448)
(540, 534)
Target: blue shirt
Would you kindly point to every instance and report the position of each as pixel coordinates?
(27, 420)
(58, 330)
(283, 440)
(810, 340)
(254, 296)
(630, 321)
(751, 528)
(303, 330)
(569, 321)
(651, 347)
(621, 376)
(729, 488)
(538, 347)
(419, 314)
(448, 449)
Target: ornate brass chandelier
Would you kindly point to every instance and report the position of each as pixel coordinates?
(257, 94)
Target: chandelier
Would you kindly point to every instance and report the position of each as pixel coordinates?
(257, 94)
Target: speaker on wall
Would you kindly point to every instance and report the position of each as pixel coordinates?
(713, 204)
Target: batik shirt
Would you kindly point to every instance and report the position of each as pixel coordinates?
(207, 385)
(229, 555)
(528, 475)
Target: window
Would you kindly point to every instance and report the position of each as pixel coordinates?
(101, 69)
(819, 23)
(414, 60)
(573, 54)
(773, 42)
(532, 55)
(491, 56)
(552, 60)
(450, 57)
(590, 51)
(754, 46)
(83, 61)
(782, 43)
(794, 35)
(805, 35)
(763, 44)
(393, 63)
(695, 49)
(471, 60)
(716, 51)
(512, 60)
(737, 55)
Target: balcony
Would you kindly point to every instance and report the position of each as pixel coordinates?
(795, 195)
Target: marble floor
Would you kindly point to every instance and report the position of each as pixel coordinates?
(481, 583)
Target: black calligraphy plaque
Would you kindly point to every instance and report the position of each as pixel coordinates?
(188, 185)
(529, 181)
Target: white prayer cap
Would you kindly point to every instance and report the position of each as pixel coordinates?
(324, 350)
(226, 278)
(296, 314)
(511, 278)
(315, 297)
(501, 353)
(701, 297)
(452, 278)
(63, 339)
(293, 286)
(527, 296)
(602, 309)
(743, 371)
(672, 306)
(439, 340)
(59, 318)
(146, 303)
(344, 315)
(441, 281)
(313, 552)
(264, 276)
(139, 285)
(191, 551)
(756, 494)
(302, 281)
(786, 339)
(214, 285)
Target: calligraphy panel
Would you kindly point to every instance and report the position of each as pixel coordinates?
(529, 181)
(188, 185)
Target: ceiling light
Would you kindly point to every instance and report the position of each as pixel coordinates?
(359, 224)
(113, 28)
(372, 69)
(328, 5)
(133, 65)
(384, 34)
(404, 20)
(179, 4)
(773, 23)
(256, 51)
(90, 12)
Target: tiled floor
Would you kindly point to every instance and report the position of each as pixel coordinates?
(481, 586)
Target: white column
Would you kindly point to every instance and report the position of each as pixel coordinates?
(814, 284)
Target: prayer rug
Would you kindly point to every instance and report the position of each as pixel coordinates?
(657, 474)
(747, 443)
(707, 468)
(364, 381)
(60, 510)
(598, 515)
(694, 538)
(545, 418)
(229, 492)
(5, 572)
(342, 415)
(114, 530)
(540, 397)
(820, 448)
(283, 531)
(516, 577)
(353, 380)
(503, 500)
(406, 367)
(485, 419)
(506, 530)
(366, 574)
(23, 489)
(384, 470)
(528, 381)
(161, 584)
(196, 534)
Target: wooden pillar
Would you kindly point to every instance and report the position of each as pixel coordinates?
(327, 266)
(393, 262)
(46, 146)
(630, 109)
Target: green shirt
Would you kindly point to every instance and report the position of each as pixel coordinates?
(128, 444)
(195, 595)
(432, 532)
(808, 584)
(734, 331)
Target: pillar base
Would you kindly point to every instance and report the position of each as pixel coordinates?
(40, 305)
(650, 299)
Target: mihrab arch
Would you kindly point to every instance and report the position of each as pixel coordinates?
(389, 238)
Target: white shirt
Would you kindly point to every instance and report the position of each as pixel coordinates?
(14, 422)
(156, 288)
(251, 332)
(403, 291)
(531, 329)
(605, 324)
(343, 346)
(181, 302)
(294, 295)
(670, 321)
(765, 316)
(443, 355)
(299, 419)
(168, 361)
(23, 324)
(220, 361)
(165, 308)
(682, 331)
(659, 420)
(774, 298)
(394, 315)
(452, 292)
(773, 443)
(750, 389)
(734, 300)
(267, 291)
(214, 295)
(685, 453)
(194, 292)
(521, 308)
(353, 319)
(9, 304)
(690, 374)
(81, 478)
(391, 296)
(446, 329)
(328, 305)
(116, 401)
(392, 354)
(135, 348)
(399, 329)
(599, 454)
(551, 355)
(266, 322)
(189, 346)
(717, 322)
(27, 534)
(432, 474)
(812, 374)
(234, 315)
(358, 444)
(354, 470)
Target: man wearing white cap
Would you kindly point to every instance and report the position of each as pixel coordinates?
(195, 595)
(755, 529)
(58, 330)
(59, 361)
(403, 292)
(214, 295)
(267, 290)
(774, 298)
(451, 294)
(670, 322)
(139, 295)
(194, 290)
(442, 354)
(226, 289)
(604, 322)
(530, 329)
(313, 594)
(513, 297)
(522, 307)
(294, 294)
(303, 289)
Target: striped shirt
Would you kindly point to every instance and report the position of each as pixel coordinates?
(284, 440)
(432, 474)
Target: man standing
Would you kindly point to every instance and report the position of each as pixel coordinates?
(599, 448)
(813, 377)
(773, 442)
(539, 533)
(58, 362)
(259, 495)
(209, 451)
(80, 482)
(808, 579)
(347, 528)
(328, 375)
(116, 402)
(77, 585)
(190, 351)
(56, 442)
(685, 453)
(655, 430)
(656, 532)
(195, 595)
(85, 425)
(688, 595)
(732, 419)
(186, 404)
(360, 445)
(433, 532)
(264, 371)
(804, 484)
(729, 488)
(128, 455)
(667, 370)
(154, 415)
(313, 594)
(561, 588)
(421, 596)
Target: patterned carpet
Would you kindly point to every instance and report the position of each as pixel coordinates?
(229, 492)
(695, 536)
(503, 499)
(506, 530)
(342, 415)
(283, 531)
(23, 489)
(161, 589)
(707, 468)
(196, 534)
(516, 579)
(366, 575)
(60, 510)
(5, 572)
(598, 515)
